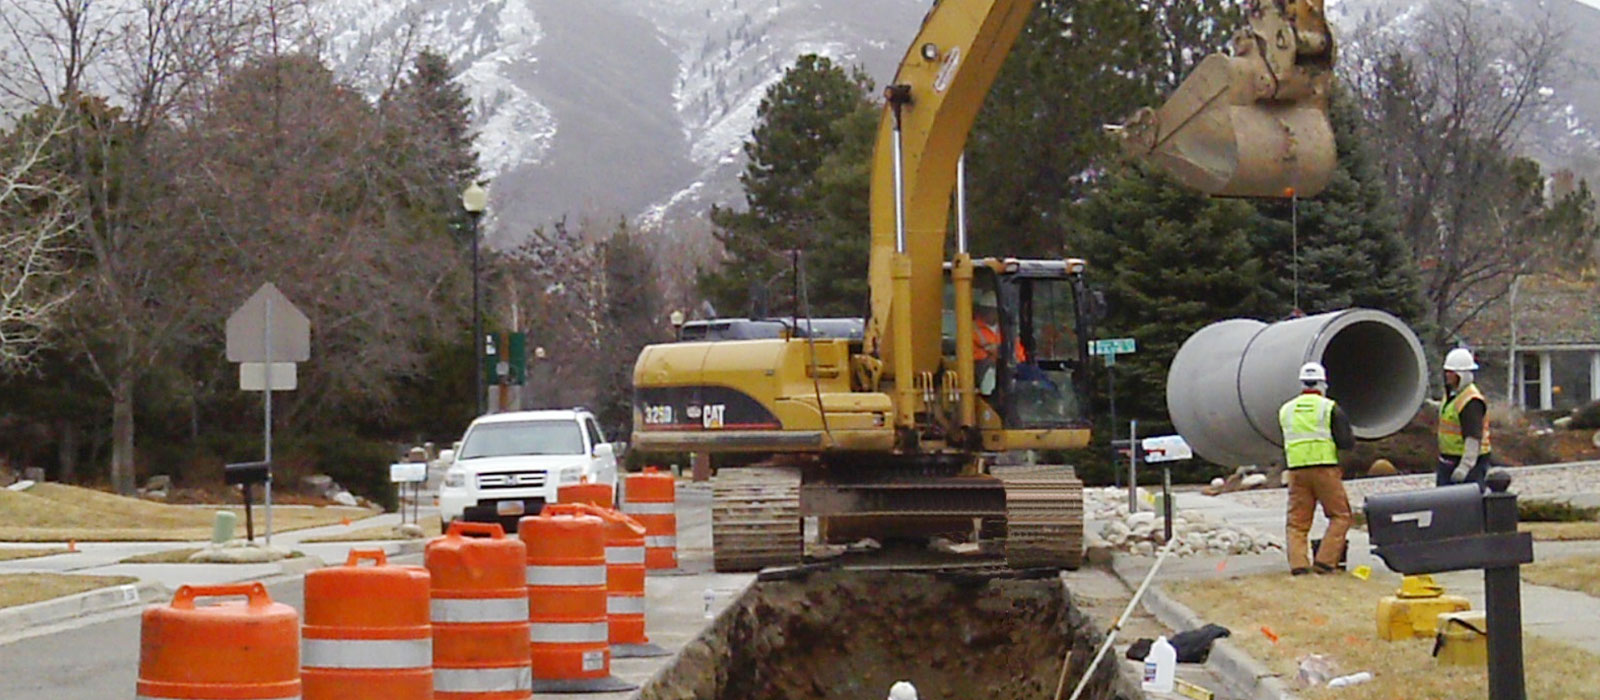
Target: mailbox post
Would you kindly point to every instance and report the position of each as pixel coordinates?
(246, 475)
(1455, 528)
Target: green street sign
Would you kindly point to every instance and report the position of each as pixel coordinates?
(519, 358)
(514, 367)
(1113, 347)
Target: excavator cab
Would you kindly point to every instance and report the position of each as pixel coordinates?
(1029, 353)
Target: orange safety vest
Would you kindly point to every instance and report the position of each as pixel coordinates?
(985, 336)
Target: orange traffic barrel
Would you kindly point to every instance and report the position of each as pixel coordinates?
(366, 634)
(235, 651)
(651, 498)
(602, 495)
(625, 600)
(566, 577)
(480, 614)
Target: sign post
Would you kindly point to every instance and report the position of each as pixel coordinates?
(1164, 449)
(1109, 349)
(269, 330)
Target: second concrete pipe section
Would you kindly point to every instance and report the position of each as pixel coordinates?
(1229, 379)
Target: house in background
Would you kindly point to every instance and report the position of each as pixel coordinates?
(1547, 331)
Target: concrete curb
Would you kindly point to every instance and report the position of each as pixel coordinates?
(1240, 669)
(21, 618)
(1237, 668)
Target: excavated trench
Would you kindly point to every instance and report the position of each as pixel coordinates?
(844, 635)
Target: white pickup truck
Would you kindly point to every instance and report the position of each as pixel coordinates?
(510, 464)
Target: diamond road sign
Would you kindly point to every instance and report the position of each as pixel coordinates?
(1114, 346)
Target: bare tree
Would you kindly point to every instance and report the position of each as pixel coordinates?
(127, 75)
(36, 226)
(1447, 101)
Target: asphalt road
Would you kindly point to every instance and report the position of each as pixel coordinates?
(96, 658)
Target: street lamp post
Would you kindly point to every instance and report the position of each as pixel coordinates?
(676, 319)
(474, 200)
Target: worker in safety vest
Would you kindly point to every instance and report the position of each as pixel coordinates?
(986, 328)
(1314, 430)
(1463, 424)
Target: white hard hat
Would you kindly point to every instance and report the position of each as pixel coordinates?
(1460, 360)
(902, 690)
(984, 298)
(1313, 372)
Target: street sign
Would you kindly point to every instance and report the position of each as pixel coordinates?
(1113, 346)
(1166, 448)
(253, 376)
(247, 329)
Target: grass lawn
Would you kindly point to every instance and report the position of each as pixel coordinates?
(1580, 574)
(21, 589)
(55, 512)
(1334, 616)
(1562, 532)
(430, 528)
(10, 553)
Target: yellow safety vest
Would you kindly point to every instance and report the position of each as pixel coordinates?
(1451, 442)
(1307, 423)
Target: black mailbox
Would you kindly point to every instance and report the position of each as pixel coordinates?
(1423, 516)
(247, 473)
(1441, 529)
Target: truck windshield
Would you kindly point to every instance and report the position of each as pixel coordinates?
(539, 437)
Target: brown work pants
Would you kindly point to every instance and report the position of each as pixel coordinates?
(1309, 486)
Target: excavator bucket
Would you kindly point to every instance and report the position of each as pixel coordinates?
(1253, 123)
(1214, 136)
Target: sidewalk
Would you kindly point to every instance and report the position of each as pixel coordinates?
(158, 581)
(1553, 613)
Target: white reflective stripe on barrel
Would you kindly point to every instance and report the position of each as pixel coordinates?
(633, 508)
(483, 680)
(625, 605)
(479, 609)
(567, 575)
(192, 697)
(624, 555)
(660, 541)
(366, 653)
(568, 632)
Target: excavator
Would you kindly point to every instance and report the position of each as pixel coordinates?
(913, 430)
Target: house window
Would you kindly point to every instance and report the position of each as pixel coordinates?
(1532, 390)
(1571, 383)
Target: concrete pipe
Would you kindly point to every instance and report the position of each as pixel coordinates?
(1229, 379)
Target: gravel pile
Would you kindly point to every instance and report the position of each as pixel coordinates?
(1141, 532)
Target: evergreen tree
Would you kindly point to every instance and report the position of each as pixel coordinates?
(632, 320)
(1351, 253)
(430, 118)
(1170, 261)
(804, 119)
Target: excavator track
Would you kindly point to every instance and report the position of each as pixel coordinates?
(755, 518)
(1044, 516)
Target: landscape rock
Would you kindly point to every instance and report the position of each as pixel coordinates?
(409, 531)
(1382, 467)
(23, 485)
(317, 483)
(238, 552)
(159, 482)
(1142, 533)
(344, 498)
(1254, 481)
(34, 474)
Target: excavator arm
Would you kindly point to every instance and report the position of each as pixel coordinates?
(1253, 123)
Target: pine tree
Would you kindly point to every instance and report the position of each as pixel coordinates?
(431, 121)
(1170, 261)
(632, 319)
(1350, 250)
(803, 119)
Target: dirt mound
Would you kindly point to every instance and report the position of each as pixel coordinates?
(851, 635)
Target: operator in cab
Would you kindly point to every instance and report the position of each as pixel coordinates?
(1463, 424)
(986, 329)
(1314, 430)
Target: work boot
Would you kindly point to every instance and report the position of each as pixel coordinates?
(1324, 568)
(1299, 571)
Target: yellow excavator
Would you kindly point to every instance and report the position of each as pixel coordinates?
(905, 432)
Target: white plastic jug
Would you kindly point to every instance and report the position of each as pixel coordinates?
(1160, 666)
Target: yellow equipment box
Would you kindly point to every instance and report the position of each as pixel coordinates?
(1462, 639)
(1410, 618)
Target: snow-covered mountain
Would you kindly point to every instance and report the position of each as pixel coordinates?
(637, 108)
(608, 108)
